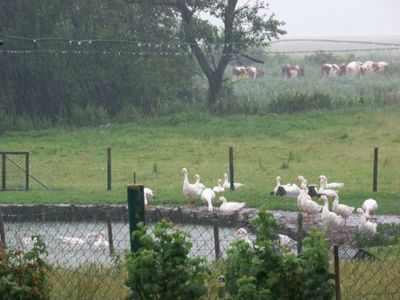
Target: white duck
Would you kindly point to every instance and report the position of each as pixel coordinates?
(342, 210)
(227, 185)
(370, 206)
(219, 188)
(72, 241)
(189, 190)
(306, 204)
(332, 185)
(329, 218)
(291, 189)
(208, 195)
(148, 194)
(100, 240)
(365, 226)
(242, 234)
(230, 206)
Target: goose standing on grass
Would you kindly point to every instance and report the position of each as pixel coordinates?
(323, 190)
(208, 195)
(332, 185)
(291, 189)
(365, 226)
(342, 210)
(148, 194)
(199, 185)
(370, 206)
(230, 206)
(307, 205)
(191, 191)
(302, 180)
(227, 184)
(329, 218)
(219, 188)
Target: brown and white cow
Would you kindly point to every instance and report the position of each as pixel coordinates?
(292, 71)
(342, 68)
(237, 72)
(367, 67)
(354, 68)
(254, 73)
(380, 66)
(330, 70)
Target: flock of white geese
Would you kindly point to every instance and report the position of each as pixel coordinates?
(339, 214)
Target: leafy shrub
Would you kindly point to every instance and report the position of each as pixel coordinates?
(24, 275)
(261, 271)
(161, 268)
(299, 102)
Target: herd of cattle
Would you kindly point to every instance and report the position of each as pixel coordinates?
(289, 71)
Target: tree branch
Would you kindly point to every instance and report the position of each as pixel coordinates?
(252, 58)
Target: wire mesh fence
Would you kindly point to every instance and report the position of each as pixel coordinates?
(14, 171)
(86, 249)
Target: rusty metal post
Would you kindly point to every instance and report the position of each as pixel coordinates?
(375, 176)
(108, 169)
(231, 175)
(216, 239)
(337, 272)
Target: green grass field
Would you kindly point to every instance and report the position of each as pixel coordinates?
(338, 144)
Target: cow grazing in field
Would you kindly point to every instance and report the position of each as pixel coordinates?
(380, 66)
(354, 68)
(237, 72)
(254, 73)
(342, 68)
(330, 70)
(367, 68)
(292, 71)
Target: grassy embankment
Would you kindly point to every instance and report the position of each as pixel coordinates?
(338, 144)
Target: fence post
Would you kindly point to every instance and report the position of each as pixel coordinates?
(136, 212)
(110, 235)
(216, 238)
(337, 272)
(375, 179)
(3, 171)
(299, 233)
(27, 171)
(231, 175)
(108, 169)
(2, 232)
(134, 177)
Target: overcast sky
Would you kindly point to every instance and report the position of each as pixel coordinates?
(338, 17)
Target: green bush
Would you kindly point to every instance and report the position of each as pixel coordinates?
(24, 275)
(261, 271)
(161, 268)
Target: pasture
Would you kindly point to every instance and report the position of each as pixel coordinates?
(338, 144)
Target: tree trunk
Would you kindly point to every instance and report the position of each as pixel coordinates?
(214, 86)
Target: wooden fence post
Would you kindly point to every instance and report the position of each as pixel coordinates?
(299, 233)
(2, 232)
(108, 169)
(337, 272)
(231, 175)
(216, 239)
(136, 212)
(375, 179)
(3, 171)
(27, 171)
(110, 235)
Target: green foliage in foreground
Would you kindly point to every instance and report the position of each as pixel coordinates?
(262, 271)
(24, 275)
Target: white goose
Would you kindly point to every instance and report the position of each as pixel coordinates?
(208, 195)
(199, 185)
(72, 241)
(342, 210)
(302, 180)
(306, 204)
(241, 233)
(370, 206)
(365, 226)
(100, 240)
(189, 190)
(331, 185)
(219, 188)
(323, 189)
(148, 194)
(230, 206)
(291, 189)
(329, 218)
(227, 185)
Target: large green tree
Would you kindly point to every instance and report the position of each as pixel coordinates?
(242, 26)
